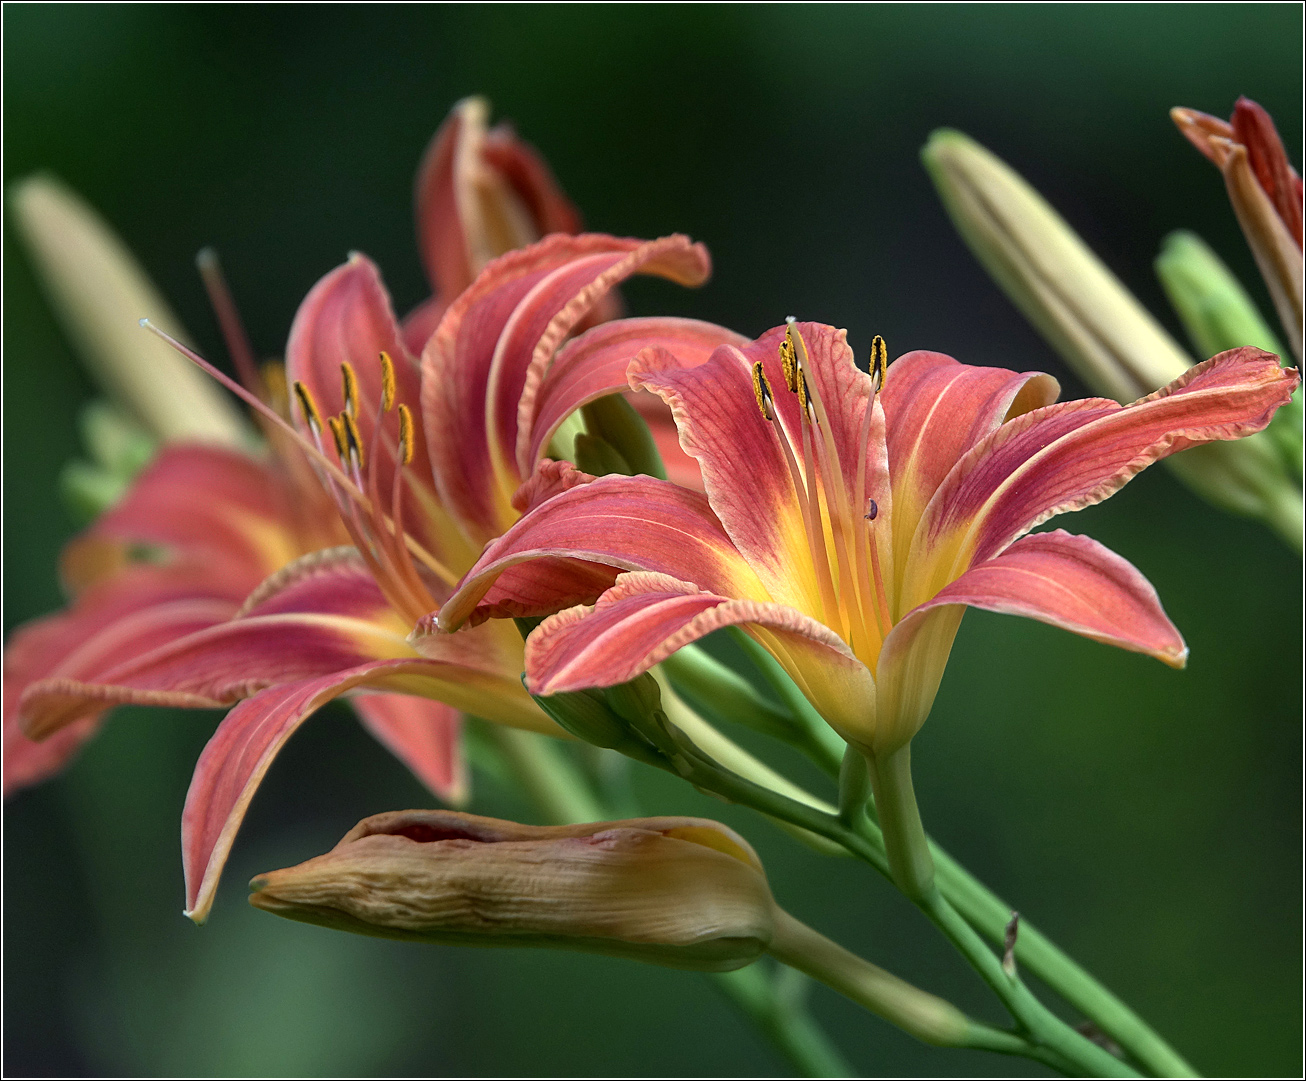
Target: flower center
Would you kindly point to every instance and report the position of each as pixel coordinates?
(838, 516)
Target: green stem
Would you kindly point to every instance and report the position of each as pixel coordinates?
(783, 1018)
(900, 823)
(552, 781)
(1042, 1026)
(989, 914)
(918, 1013)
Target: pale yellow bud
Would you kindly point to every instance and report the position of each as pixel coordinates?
(101, 293)
(1067, 292)
(683, 892)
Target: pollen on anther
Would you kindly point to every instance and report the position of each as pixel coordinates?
(789, 361)
(308, 407)
(762, 388)
(387, 382)
(349, 382)
(879, 362)
(800, 387)
(353, 438)
(405, 433)
(338, 435)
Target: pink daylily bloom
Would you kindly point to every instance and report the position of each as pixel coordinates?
(480, 194)
(846, 526)
(1266, 194)
(416, 507)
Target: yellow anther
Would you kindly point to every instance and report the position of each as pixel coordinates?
(879, 362)
(387, 382)
(762, 389)
(353, 437)
(308, 407)
(405, 433)
(350, 383)
(789, 360)
(338, 435)
(800, 386)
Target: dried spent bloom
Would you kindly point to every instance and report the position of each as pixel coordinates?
(683, 892)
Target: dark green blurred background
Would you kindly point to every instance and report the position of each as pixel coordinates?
(1148, 819)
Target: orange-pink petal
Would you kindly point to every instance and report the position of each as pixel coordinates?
(627, 523)
(423, 734)
(494, 345)
(1068, 456)
(595, 363)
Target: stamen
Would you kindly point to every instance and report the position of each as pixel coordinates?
(789, 360)
(353, 440)
(879, 362)
(762, 389)
(350, 383)
(338, 434)
(233, 330)
(387, 382)
(844, 527)
(336, 479)
(405, 434)
(872, 509)
(273, 374)
(800, 388)
(308, 407)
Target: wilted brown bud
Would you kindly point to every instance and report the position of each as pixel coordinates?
(683, 892)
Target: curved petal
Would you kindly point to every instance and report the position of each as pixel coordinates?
(133, 612)
(238, 755)
(347, 317)
(631, 523)
(226, 516)
(423, 735)
(480, 194)
(1068, 456)
(325, 619)
(420, 323)
(645, 618)
(494, 344)
(681, 468)
(935, 410)
(1074, 583)
(595, 363)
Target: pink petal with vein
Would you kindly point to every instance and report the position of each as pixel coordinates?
(1068, 456)
(494, 344)
(630, 523)
(595, 363)
(129, 613)
(423, 735)
(935, 410)
(1074, 583)
(324, 618)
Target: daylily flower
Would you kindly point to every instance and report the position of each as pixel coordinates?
(217, 523)
(1266, 194)
(847, 524)
(417, 502)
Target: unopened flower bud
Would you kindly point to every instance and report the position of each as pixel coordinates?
(1089, 317)
(683, 892)
(101, 293)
